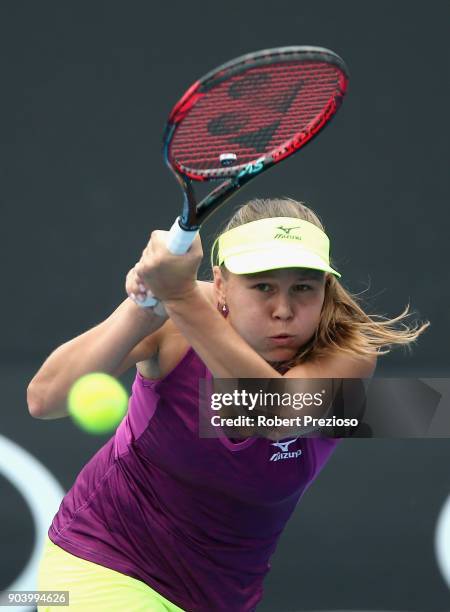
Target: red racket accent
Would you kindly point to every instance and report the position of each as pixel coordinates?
(252, 112)
(184, 105)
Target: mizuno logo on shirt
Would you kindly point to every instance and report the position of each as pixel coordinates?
(284, 452)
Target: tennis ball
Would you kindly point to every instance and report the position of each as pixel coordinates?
(97, 402)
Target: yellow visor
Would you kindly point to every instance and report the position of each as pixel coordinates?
(270, 244)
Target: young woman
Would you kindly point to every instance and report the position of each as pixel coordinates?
(161, 518)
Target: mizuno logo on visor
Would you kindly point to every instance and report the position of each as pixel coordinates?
(287, 232)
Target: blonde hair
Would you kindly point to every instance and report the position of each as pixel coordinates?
(343, 326)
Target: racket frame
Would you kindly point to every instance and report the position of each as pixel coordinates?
(186, 226)
(234, 177)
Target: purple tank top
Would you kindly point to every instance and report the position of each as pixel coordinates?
(197, 519)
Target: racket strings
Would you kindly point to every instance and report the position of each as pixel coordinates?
(253, 113)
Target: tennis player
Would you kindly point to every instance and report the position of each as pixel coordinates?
(160, 518)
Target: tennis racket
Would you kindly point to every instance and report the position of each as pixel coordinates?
(240, 120)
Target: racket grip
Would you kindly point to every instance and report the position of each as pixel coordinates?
(153, 303)
(178, 243)
(179, 240)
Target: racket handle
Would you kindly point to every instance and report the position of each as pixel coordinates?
(178, 243)
(179, 240)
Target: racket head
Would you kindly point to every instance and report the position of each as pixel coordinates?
(254, 111)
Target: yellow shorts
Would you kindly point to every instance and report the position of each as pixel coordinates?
(94, 588)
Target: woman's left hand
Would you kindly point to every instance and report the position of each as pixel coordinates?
(168, 276)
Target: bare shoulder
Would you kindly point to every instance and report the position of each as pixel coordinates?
(168, 329)
(336, 365)
(167, 346)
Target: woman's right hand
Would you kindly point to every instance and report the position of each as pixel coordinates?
(134, 287)
(137, 292)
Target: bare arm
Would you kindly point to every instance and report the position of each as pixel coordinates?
(221, 348)
(227, 354)
(124, 338)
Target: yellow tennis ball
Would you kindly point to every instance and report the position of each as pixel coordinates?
(97, 402)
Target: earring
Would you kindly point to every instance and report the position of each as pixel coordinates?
(223, 309)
